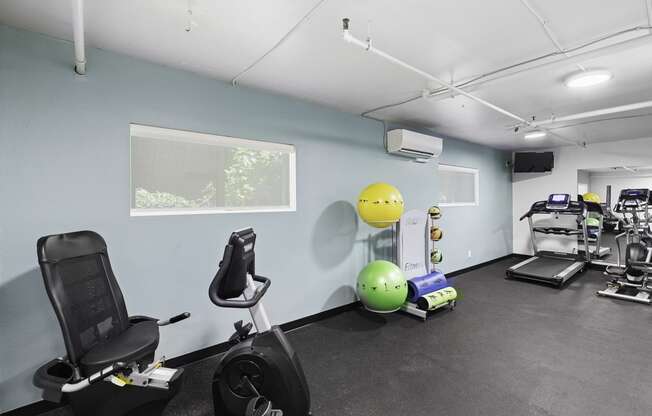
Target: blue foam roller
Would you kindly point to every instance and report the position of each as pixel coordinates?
(422, 285)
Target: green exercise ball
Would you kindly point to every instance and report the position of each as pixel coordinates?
(382, 287)
(592, 222)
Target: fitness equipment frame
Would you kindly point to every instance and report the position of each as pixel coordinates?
(550, 266)
(596, 249)
(630, 282)
(610, 221)
(261, 374)
(109, 368)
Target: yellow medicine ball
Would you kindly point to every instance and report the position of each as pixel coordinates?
(380, 205)
(591, 197)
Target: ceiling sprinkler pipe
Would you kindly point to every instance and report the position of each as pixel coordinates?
(78, 36)
(367, 46)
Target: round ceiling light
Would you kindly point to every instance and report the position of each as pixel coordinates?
(588, 78)
(535, 134)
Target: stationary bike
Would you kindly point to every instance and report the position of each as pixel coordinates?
(109, 369)
(630, 282)
(261, 374)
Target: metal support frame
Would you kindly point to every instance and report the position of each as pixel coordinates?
(585, 235)
(258, 313)
(577, 264)
(154, 376)
(548, 30)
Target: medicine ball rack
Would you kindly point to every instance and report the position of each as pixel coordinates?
(413, 248)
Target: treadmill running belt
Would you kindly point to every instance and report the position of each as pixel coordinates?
(545, 266)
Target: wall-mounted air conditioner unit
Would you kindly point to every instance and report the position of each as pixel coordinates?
(420, 147)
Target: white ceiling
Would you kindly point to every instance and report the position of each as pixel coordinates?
(621, 171)
(454, 40)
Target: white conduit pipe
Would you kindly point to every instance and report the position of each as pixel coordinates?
(648, 5)
(597, 113)
(571, 59)
(235, 79)
(78, 36)
(368, 47)
(544, 24)
(542, 61)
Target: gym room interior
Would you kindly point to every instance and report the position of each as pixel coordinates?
(325, 207)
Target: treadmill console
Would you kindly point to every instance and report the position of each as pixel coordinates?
(633, 198)
(558, 202)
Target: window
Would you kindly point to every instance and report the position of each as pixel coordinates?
(181, 172)
(458, 186)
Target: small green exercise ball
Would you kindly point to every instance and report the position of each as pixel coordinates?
(382, 287)
(592, 222)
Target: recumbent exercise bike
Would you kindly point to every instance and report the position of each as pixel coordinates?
(110, 368)
(261, 374)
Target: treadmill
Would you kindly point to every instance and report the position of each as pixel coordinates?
(553, 267)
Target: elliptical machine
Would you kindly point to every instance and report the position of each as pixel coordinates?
(261, 374)
(630, 282)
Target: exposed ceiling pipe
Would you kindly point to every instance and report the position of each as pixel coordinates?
(78, 36)
(537, 63)
(347, 36)
(235, 79)
(598, 120)
(648, 6)
(596, 113)
(549, 32)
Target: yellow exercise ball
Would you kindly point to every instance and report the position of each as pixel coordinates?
(591, 197)
(380, 205)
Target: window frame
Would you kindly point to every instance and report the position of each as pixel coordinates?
(476, 184)
(187, 136)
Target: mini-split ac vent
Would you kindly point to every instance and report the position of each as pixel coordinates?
(420, 147)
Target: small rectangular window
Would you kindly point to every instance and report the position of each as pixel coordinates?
(181, 172)
(458, 186)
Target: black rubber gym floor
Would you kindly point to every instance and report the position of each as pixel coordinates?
(510, 348)
(609, 240)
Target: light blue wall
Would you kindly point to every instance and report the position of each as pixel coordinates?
(64, 166)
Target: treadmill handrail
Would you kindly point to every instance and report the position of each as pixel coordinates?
(577, 208)
(557, 230)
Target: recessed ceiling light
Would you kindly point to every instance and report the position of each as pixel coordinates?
(535, 134)
(588, 78)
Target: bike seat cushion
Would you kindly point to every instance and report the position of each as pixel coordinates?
(135, 344)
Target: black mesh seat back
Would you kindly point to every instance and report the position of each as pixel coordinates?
(83, 290)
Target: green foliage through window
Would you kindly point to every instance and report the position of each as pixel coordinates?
(157, 199)
(250, 174)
